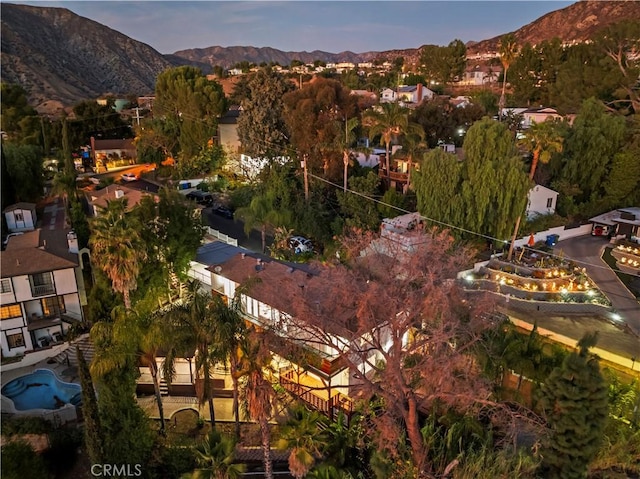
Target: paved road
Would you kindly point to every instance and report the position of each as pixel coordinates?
(235, 229)
(586, 251)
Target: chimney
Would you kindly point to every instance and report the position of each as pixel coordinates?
(419, 93)
(72, 241)
(119, 193)
(242, 255)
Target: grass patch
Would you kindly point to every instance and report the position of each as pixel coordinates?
(631, 282)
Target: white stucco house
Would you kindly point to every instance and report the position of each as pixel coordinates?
(541, 201)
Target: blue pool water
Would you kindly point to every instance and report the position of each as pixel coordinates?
(41, 390)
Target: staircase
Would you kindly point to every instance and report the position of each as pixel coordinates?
(164, 388)
(68, 356)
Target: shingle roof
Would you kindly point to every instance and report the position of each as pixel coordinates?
(37, 252)
(114, 145)
(20, 206)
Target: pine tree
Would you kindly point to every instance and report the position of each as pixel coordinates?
(92, 431)
(574, 398)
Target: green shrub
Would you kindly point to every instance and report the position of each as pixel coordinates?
(20, 461)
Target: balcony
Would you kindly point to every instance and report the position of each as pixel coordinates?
(394, 176)
(42, 290)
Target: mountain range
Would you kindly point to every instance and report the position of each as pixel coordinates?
(61, 58)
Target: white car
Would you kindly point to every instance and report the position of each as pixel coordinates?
(129, 177)
(300, 244)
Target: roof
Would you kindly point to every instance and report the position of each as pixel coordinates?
(231, 116)
(121, 144)
(20, 206)
(37, 252)
(542, 189)
(269, 281)
(543, 110)
(216, 253)
(101, 197)
(614, 217)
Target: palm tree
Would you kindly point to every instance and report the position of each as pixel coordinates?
(542, 140)
(344, 142)
(215, 457)
(230, 330)
(192, 330)
(137, 333)
(302, 435)
(117, 247)
(259, 394)
(262, 212)
(413, 145)
(389, 122)
(508, 52)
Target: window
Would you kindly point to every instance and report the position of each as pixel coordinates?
(549, 202)
(18, 216)
(6, 286)
(15, 340)
(53, 306)
(41, 284)
(9, 311)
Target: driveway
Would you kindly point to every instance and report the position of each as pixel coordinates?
(585, 251)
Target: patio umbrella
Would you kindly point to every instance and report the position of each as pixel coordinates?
(531, 241)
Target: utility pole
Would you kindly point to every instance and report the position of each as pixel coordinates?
(306, 178)
(138, 115)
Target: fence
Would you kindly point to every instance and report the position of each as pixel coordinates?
(221, 236)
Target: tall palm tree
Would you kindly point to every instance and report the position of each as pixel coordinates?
(230, 331)
(413, 145)
(137, 333)
(344, 141)
(259, 394)
(389, 122)
(508, 53)
(117, 247)
(302, 435)
(542, 140)
(215, 457)
(192, 330)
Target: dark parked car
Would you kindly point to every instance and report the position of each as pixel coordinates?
(223, 211)
(200, 197)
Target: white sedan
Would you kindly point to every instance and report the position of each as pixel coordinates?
(129, 177)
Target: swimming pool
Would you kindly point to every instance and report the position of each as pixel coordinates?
(41, 390)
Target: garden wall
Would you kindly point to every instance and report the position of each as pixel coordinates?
(563, 233)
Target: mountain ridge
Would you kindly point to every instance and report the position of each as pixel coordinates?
(60, 57)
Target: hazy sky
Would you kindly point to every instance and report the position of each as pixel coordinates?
(332, 26)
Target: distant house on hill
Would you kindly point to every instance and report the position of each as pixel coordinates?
(408, 94)
(20, 217)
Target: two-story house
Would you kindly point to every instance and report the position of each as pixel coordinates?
(42, 290)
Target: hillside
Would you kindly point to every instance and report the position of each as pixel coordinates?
(575, 23)
(61, 58)
(57, 55)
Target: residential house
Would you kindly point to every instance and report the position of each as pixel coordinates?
(228, 136)
(99, 199)
(478, 75)
(108, 152)
(620, 222)
(541, 201)
(42, 290)
(409, 95)
(20, 217)
(538, 115)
